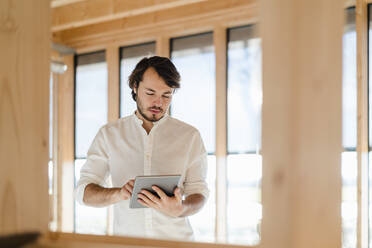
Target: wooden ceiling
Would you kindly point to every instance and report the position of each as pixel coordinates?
(67, 14)
(87, 23)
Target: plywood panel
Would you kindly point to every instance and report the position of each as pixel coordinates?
(24, 115)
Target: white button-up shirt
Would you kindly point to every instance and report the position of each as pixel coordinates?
(123, 150)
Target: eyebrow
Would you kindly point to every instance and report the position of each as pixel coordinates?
(167, 92)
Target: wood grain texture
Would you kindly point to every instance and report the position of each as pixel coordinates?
(220, 44)
(65, 165)
(301, 143)
(362, 140)
(113, 68)
(189, 19)
(69, 240)
(163, 46)
(85, 13)
(24, 115)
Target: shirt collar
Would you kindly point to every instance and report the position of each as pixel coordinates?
(156, 123)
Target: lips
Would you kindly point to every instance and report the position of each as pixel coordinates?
(155, 111)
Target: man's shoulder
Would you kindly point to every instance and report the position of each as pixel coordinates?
(182, 126)
(117, 124)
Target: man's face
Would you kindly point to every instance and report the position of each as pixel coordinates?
(153, 96)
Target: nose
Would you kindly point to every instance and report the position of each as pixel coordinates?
(158, 102)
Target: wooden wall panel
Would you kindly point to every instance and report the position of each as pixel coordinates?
(24, 115)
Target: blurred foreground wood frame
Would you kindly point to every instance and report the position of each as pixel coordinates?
(301, 115)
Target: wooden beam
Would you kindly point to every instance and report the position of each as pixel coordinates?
(65, 165)
(24, 116)
(59, 3)
(82, 240)
(301, 123)
(362, 144)
(83, 13)
(194, 18)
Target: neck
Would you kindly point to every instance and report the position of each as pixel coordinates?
(147, 125)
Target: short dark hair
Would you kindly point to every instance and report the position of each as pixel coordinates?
(162, 65)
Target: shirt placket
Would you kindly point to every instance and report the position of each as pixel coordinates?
(147, 171)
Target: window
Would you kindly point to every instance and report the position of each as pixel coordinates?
(51, 167)
(195, 104)
(244, 163)
(90, 115)
(129, 57)
(349, 133)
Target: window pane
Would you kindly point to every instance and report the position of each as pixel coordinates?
(244, 90)
(50, 176)
(349, 133)
(203, 223)
(88, 220)
(349, 199)
(91, 99)
(129, 57)
(195, 102)
(244, 214)
(244, 98)
(349, 83)
(51, 116)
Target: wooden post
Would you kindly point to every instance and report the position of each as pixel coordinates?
(65, 165)
(301, 122)
(220, 40)
(163, 46)
(362, 144)
(112, 60)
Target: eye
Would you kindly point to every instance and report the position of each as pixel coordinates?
(149, 93)
(166, 96)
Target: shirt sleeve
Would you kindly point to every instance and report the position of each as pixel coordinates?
(96, 169)
(195, 180)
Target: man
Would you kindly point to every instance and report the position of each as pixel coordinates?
(149, 142)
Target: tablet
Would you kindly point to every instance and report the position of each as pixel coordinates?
(167, 183)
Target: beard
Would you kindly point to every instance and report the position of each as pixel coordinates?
(150, 117)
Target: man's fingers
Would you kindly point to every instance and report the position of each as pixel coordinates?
(160, 192)
(150, 196)
(143, 203)
(131, 182)
(177, 194)
(146, 199)
(129, 187)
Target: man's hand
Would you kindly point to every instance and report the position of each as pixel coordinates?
(98, 196)
(171, 206)
(126, 190)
